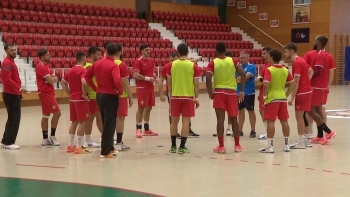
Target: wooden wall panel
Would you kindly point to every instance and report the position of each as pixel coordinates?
(131, 4)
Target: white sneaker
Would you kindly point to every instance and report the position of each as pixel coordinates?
(92, 144)
(297, 146)
(311, 136)
(46, 142)
(229, 132)
(263, 136)
(266, 150)
(286, 149)
(53, 141)
(308, 143)
(12, 147)
(122, 147)
(115, 138)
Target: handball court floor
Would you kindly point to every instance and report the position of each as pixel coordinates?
(148, 169)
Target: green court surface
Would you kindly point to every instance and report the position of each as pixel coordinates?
(13, 187)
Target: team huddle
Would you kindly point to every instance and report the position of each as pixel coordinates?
(99, 89)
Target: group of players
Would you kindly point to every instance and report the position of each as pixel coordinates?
(308, 88)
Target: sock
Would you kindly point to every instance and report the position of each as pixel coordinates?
(311, 128)
(307, 136)
(325, 128)
(119, 138)
(138, 126)
(53, 131)
(183, 142)
(265, 124)
(286, 141)
(146, 125)
(221, 141)
(319, 131)
(270, 142)
(88, 138)
(173, 140)
(301, 139)
(80, 141)
(71, 139)
(236, 140)
(45, 134)
(229, 126)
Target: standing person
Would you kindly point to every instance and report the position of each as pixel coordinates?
(145, 77)
(94, 55)
(124, 99)
(45, 80)
(78, 103)
(276, 78)
(320, 81)
(224, 95)
(183, 85)
(108, 90)
(12, 97)
(266, 58)
(249, 94)
(302, 94)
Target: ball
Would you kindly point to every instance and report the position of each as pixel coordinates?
(258, 81)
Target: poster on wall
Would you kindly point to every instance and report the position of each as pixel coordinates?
(241, 5)
(274, 23)
(230, 2)
(301, 35)
(301, 2)
(301, 14)
(253, 9)
(263, 16)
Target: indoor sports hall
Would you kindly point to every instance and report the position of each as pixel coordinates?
(148, 169)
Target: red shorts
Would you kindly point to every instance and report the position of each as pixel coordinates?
(317, 97)
(93, 107)
(261, 103)
(123, 107)
(303, 102)
(49, 104)
(276, 110)
(184, 107)
(325, 97)
(79, 110)
(145, 97)
(227, 103)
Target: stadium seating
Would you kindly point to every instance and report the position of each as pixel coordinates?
(207, 35)
(195, 26)
(174, 16)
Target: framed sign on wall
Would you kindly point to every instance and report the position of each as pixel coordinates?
(301, 14)
(301, 2)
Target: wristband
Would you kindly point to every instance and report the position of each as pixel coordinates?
(147, 79)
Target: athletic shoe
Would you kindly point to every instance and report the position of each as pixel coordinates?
(229, 132)
(263, 136)
(252, 134)
(139, 133)
(308, 143)
(149, 133)
(53, 141)
(297, 146)
(238, 148)
(221, 150)
(192, 134)
(215, 134)
(173, 149)
(241, 133)
(107, 156)
(82, 150)
(286, 149)
(114, 153)
(115, 138)
(311, 136)
(266, 150)
(329, 137)
(317, 140)
(12, 147)
(46, 142)
(71, 149)
(121, 147)
(178, 136)
(92, 144)
(183, 150)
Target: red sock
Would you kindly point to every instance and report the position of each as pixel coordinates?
(236, 140)
(221, 141)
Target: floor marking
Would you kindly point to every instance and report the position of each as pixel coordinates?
(139, 152)
(244, 161)
(276, 164)
(197, 156)
(259, 162)
(153, 153)
(309, 168)
(213, 158)
(327, 170)
(229, 159)
(28, 165)
(293, 166)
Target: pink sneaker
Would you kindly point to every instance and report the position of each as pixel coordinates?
(138, 133)
(238, 148)
(71, 149)
(317, 140)
(150, 133)
(329, 137)
(221, 150)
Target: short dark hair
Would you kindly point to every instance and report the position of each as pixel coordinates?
(119, 47)
(266, 49)
(93, 50)
(323, 40)
(79, 56)
(112, 49)
(143, 46)
(182, 49)
(291, 46)
(106, 44)
(42, 52)
(7, 46)
(276, 55)
(220, 47)
(229, 54)
(173, 54)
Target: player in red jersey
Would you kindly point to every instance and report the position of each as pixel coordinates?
(321, 65)
(302, 94)
(145, 77)
(78, 103)
(259, 80)
(45, 80)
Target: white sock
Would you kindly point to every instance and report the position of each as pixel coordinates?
(80, 141)
(311, 128)
(71, 139)
(265, 124)
(229, 126)
(301, 139)
(286, 141)
(269, 142)
(88, 138)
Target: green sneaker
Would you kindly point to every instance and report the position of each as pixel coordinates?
(183, 151)
(172, 149)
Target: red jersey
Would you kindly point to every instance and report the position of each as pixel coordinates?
(10, 77)
(300, 69)
(310, 56)
(324, 60)
(164, 72)
(146, 68)
(124, 73)
(43, 71)
(74, 77)
(262, 73)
